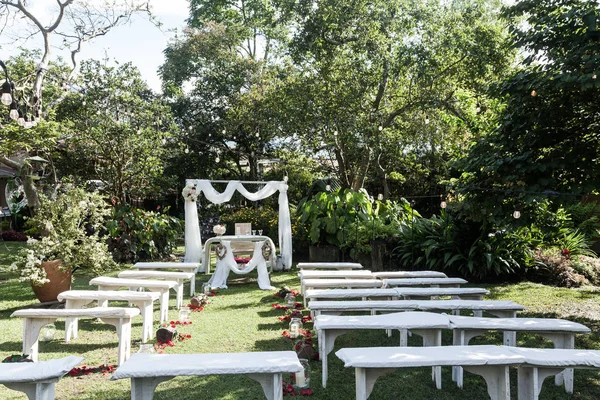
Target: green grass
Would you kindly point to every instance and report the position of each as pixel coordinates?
(241, 319)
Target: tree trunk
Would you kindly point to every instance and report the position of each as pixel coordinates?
(359, 178)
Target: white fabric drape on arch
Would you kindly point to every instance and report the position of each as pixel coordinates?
(219, 277)
(204, 186)
(193, 241)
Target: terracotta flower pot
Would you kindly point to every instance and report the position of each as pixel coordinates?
(60, 281)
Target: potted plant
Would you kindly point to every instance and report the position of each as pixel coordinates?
(68, 240)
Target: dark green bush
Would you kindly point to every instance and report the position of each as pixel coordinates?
(138, 235)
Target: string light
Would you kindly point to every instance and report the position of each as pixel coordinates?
(285, 178)
(217, 159)
(335, 133)
(426, 120)
(186, 151)
(328, 188)
(478, 108)
(533, 93)
(380, 197)
(517, 214)
(380, 128)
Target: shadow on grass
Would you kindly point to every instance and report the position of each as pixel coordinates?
(273, 327)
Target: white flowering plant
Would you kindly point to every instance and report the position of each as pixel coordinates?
(219, 229)
(67, 228)
(190, 192)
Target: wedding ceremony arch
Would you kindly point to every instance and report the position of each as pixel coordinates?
(194, 187)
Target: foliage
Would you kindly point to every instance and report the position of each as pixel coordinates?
(575, 243)
(139, 235)
(118, 131)
(443, 243)
(328, 216)
(588, 267)
(586, 218)
(264, 218)
(551, 267)
(13, 236)
(547, 141)
(69, 228)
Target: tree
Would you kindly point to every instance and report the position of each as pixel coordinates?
(378, 73)
(75, 22)
(548, 139)
(118, 130)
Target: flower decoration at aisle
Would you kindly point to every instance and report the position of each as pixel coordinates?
(190, 192)
(219, 229)
(85, 370)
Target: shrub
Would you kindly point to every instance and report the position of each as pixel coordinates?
(13, 236)
(262, 218)
(586, 218)
(138, 235)
(588, 267)
(551, 267)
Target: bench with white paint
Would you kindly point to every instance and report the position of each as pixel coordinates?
(181, 266)
(161, 287)
(427, 325)
(409, 274)
(435, 282)
(542, 363)
(323, 274)
(81, 298)
(35, 319)
(329, 265)
(36, 380)
(148, 370)
(490, 362)
(498, 308)
(307, 284)
(561, 332)
(408, 293)
(179, 277)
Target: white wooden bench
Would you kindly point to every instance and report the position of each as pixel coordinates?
(36, 318)
(148, 370)
(322, 274)
(81, 298)
(177, 276)
(329, 265)
(542, 363)
(307, 284)
(498, 308)
(409, 293)
(409, 274)
(427, 325)
(561, 332)
(181, 266)
(491, 362)
(161, 287)
(36, 380)
(434, 282)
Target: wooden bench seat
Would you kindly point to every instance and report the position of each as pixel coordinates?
(491, 362)
(176, 276)
(498, 308)
(161, 287)
(435, 282)
(427, 325)
(329, 265)
(180, 266)
(35, 319)
(81, 298)
(148, 370)
(36, 380)
(408, 293)
(409, 274)
(561, 332)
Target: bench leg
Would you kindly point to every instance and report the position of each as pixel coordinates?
(123, 326)
(563, 341)
(31, 331)
(326, 344)
(147, 310)
(496, 377)
(34, 390)
(179, 291)
(531, 380)
(271, 385)
(164, 304)
(143, 388)
(462, 337)
(432, 337)
(193, 286)
(365, 380)
(72, 324)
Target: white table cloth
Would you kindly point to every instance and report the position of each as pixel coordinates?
(237, 238)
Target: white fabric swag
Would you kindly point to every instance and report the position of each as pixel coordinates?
(193, 241)
(219, 278)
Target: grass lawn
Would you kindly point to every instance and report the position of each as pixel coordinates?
(241, 319)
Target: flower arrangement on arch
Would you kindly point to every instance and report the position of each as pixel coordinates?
(219, 229)
(190, 192)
